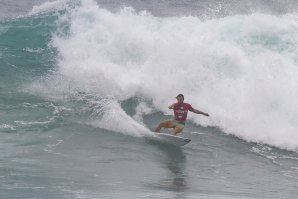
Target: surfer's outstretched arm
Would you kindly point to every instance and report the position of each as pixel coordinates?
(199, 112)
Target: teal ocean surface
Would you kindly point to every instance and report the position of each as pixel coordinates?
(84, 83)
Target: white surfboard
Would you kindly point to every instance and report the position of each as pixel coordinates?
(171, 139)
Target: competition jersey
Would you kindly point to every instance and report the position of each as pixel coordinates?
(180, 111)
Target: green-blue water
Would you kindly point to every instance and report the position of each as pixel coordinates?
(82, 85)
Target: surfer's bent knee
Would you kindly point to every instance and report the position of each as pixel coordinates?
(179, 128)
(167, 123)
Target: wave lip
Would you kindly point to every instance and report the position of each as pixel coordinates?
(241, 69)
(49, 6)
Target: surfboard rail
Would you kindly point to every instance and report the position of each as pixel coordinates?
(171, 139)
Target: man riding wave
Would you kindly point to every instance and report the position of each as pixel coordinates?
(180, 114)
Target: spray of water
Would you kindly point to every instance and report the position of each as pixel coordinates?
(240, 69)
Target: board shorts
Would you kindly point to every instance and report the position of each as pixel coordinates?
(174, 124)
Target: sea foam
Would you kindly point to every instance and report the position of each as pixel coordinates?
(240, 69)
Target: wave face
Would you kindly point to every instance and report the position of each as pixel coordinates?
(240, 69)
(83, 83)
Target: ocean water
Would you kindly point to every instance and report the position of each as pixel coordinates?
(83, 84)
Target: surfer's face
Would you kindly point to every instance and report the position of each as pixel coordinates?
(180, 99)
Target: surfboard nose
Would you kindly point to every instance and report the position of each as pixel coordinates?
(187, 140)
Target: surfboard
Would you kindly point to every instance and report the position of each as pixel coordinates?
(171, 139)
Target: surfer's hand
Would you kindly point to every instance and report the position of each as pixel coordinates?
(206, 114)
(171, 106)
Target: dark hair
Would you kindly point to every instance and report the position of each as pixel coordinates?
(180, 95)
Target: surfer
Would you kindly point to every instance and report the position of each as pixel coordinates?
(180, 113)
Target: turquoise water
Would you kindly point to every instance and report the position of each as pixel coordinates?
(83, 84)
